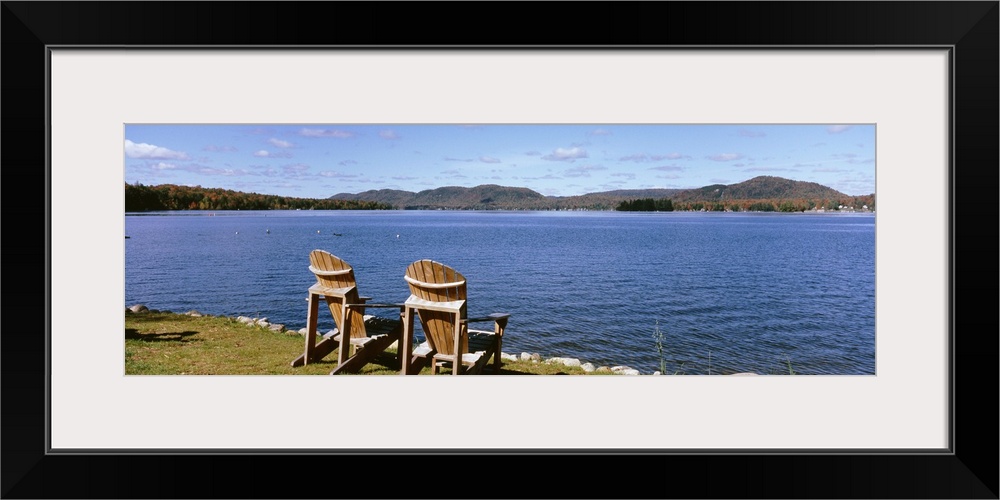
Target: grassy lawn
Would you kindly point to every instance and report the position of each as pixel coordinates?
(163, 343)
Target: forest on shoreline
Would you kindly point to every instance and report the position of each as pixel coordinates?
(140, 198)
(760, 194)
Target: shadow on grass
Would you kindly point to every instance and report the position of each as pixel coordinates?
(133, 334)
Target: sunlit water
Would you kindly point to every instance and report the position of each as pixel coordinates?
(729, 292)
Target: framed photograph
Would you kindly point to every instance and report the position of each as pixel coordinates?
(923, 95)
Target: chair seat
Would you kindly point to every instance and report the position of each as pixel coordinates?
(375, 327)
(469, 358)
(481, 342)
(329, 291)
(418, 303)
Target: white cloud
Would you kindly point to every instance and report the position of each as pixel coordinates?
(388, 134)
(564, 154)
(263, 153)
(489, 159)
(643, 157)
(600, 131)
(164, 166)
(725, 157)
(332, 173)
(836, 129)
(279, 143)
(152, 152)
(319, 132)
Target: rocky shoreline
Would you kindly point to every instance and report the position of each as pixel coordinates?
(524, 356)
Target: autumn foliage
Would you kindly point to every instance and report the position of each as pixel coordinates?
(140, 198)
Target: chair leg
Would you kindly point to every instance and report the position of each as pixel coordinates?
(498, 328)
(314, 351)
(346, 348)
(456, 366)
(312, 320)
(406, 343)
(497, 360)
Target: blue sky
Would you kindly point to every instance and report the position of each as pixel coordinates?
(320, 160)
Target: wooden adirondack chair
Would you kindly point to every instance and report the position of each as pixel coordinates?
(438, 298)
(367, 336)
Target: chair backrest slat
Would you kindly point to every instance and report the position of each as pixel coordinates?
(435, 282)
(333, 273)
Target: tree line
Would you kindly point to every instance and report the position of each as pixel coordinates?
(857, 203)
(646, 205)
(140, 198)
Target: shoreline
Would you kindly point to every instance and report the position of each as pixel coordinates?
(587, 367)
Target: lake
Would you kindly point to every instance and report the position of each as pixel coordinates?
(730, 292)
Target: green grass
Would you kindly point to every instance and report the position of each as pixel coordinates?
(163, 343)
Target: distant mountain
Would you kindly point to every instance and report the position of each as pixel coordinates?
(606, 200)
(484, 197)
(494, 197)
(634, 193)
(394, 197)
(764, 187)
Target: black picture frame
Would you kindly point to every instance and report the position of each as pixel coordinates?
(969, 28)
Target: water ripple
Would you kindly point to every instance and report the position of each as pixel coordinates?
(734, 293)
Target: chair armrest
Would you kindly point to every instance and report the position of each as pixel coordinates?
(491, 317)
(499, 322)
(400, 306)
